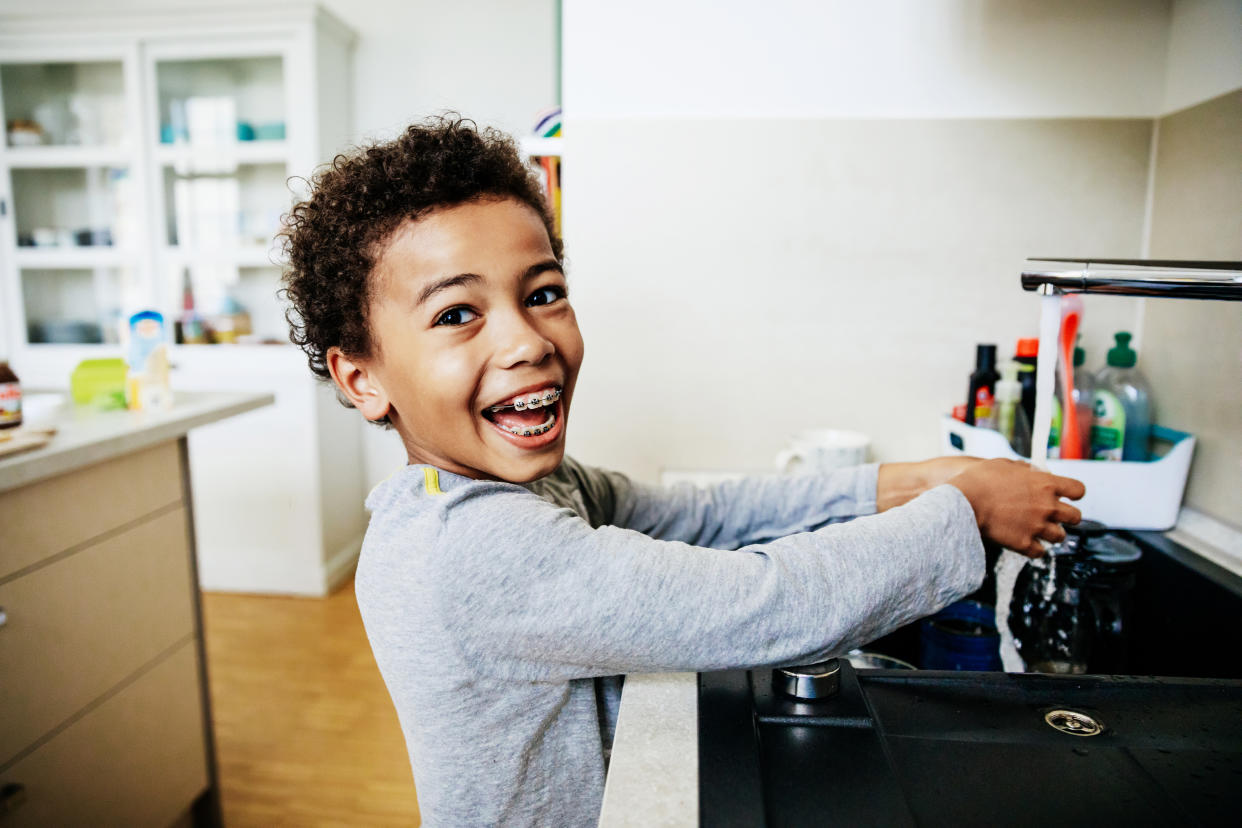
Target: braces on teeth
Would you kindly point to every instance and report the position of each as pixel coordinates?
(533, 401)
(533, 431)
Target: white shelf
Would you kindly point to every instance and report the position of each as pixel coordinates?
(245, 256)
(533, 145)
(73, 258)
(214, 155)
(66, 157)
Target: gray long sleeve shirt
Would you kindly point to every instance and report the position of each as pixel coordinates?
(502, 616)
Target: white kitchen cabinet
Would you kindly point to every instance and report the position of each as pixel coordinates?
(149, 156)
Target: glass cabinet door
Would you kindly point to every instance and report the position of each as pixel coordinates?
(75, 306)
(69, 157)
(220, 102)
(224, 167)
(64, 104)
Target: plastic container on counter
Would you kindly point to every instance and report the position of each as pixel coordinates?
(1121, 495)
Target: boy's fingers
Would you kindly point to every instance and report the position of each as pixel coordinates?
(1035, 550)
(1065, 513)
(1052, 532)
(1069, 487)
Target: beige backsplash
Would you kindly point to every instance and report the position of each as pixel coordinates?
(1192, 350)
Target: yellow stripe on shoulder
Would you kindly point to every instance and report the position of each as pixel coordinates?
(431, 481)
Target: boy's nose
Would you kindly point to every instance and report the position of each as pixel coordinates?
(518, 342)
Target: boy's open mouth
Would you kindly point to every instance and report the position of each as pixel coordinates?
(529, 414)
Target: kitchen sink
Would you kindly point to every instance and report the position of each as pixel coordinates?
(1162, 745)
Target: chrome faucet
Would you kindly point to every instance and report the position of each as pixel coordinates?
(1140, 277)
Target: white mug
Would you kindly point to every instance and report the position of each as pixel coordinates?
(823, 449)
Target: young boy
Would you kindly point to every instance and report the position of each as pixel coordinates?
(507, 588)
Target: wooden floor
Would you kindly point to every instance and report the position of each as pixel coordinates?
(305, 732)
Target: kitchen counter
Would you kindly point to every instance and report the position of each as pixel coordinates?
(653, 778)
(101, 629)
(85, 436)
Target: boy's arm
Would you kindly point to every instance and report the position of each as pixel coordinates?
(761, 508)
(734, 513)
(531, 592)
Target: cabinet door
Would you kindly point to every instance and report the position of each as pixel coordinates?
(80, 625)
(223, 185)
(70, 160)
(136, 759)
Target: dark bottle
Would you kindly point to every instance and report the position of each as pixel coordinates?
(981, 396)
(1027, 357)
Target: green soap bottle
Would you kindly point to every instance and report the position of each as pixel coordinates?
(1121, 428)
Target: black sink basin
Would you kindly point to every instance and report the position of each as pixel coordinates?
(898, 747)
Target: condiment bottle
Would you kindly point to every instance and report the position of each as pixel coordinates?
(981, 395)
(10, 397)
(1011, 419)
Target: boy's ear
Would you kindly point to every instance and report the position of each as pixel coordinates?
(358, 383)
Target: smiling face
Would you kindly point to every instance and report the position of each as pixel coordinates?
(475, 347)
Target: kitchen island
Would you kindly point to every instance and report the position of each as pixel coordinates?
(107, 714)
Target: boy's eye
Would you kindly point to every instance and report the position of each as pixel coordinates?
(545, 296)
(456, 316)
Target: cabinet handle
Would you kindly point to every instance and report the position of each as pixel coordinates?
(12, 796)
(3, 617)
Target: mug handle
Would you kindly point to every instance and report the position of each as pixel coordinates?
(789, 459)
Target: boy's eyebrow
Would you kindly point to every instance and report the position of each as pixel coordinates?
(461, 279)
(447, 282)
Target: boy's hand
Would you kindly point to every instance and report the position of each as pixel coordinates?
(1016, 505)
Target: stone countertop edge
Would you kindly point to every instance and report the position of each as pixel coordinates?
(653, 776)
(85, 437)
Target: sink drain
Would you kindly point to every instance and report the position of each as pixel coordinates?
(1074, 723)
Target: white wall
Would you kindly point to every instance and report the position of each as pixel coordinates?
(1205, 52)
(766, 232)
(879, 59)
(491, 60)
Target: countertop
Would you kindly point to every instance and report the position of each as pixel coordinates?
(85, 436)
(653, 778)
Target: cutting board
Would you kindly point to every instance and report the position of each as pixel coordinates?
(16, 440)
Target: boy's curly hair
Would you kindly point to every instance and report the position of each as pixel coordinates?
(333, 239)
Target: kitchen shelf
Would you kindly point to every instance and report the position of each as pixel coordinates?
(54, 258)
(212, 156)
(42, 158)
(246, 256)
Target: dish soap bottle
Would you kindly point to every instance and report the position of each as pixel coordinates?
(1084, 401)
(1122, 425)
(1011, 419)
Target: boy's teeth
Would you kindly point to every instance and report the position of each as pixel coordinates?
(531, 401)
(534, 431)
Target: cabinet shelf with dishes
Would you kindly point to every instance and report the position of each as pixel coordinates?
(147, 160)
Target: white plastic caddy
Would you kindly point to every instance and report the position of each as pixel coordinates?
(1121, 495)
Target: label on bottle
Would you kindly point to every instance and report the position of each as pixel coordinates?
(1054, 431)
(10, 404)
(1108, 429)
(985, 407)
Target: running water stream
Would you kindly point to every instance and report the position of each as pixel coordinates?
(1011, 563)
(1045, 377)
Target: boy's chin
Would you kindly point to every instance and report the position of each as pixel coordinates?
(532, 468)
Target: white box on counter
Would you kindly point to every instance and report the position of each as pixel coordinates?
(1121, 495)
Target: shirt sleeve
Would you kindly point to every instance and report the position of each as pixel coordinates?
(735, 513)
(531, 591)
